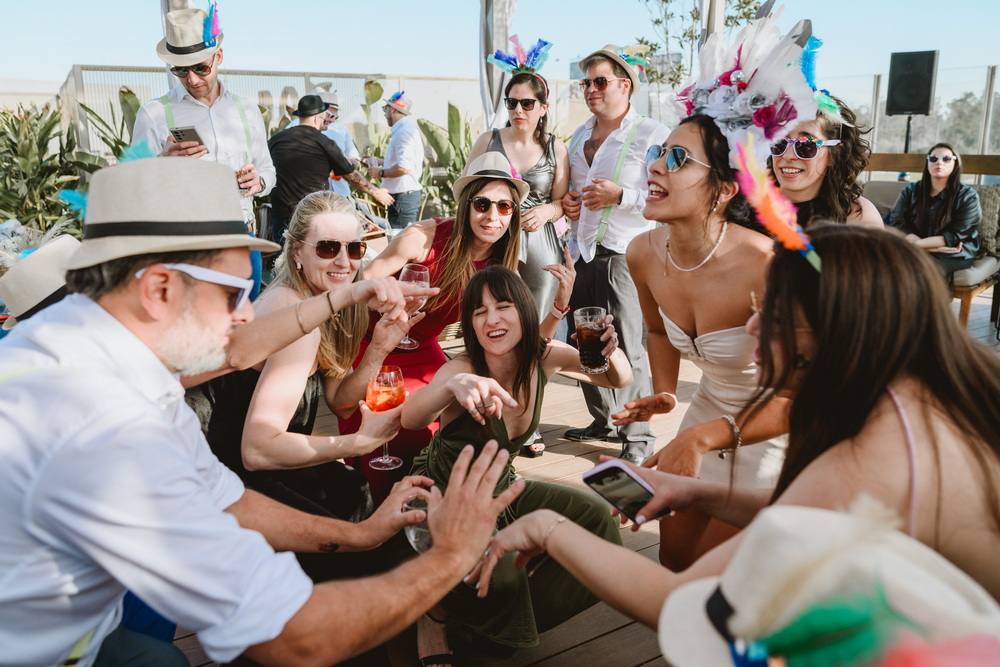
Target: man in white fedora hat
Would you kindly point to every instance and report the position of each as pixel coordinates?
(605, 203)
(229, 127)
(107, 484)
(403, 163)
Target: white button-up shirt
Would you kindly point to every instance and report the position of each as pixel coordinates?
(220, 128)
(107, 484)
(626, 221)
(406, 149)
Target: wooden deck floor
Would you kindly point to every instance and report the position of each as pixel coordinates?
(600, 636)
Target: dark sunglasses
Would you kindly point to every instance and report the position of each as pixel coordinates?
(330, 249)
(806, 148)
(944, 158)
(512, 103)
(201, 69)
(482, 204)
(601, 82)
(676, 157)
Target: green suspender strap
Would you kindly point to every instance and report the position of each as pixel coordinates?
(168, 110)
(81, 644)
(629, 140)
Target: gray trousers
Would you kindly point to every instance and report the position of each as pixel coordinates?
(606, 282)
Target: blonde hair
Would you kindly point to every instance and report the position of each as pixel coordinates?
(340, 336)
(457, 255)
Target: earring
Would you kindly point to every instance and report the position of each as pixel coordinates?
(715, 205)
(799, 362)
(298, 265)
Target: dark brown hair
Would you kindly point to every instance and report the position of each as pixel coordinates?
(540, 88)
(504, 285)
(879, 312)
(924, 225)
(616, 67)
(737, 210)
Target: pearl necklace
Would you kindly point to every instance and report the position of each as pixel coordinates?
(725, 225)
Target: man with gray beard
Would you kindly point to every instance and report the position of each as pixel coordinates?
(107, 483)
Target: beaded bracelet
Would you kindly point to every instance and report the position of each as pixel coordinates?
(545, 540)
(557, 312)
(737, 436)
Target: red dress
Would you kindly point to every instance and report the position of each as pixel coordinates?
(418, 365)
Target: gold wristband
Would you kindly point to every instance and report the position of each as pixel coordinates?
(298, 318)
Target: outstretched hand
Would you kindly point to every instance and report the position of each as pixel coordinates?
(525, 536)
(389, 296)
(566, 275)
(644, 409)
(482, 397)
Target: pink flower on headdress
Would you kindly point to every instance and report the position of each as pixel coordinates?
(764, 117)
(684, 97)
(772, 119)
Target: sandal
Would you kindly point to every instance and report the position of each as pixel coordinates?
(535, 448)
(437, 658)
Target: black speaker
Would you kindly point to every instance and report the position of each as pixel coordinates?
(911, 83)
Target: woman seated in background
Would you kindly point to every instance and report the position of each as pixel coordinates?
(495, 391)
(939, 213)
(818, 165)
(890, 399)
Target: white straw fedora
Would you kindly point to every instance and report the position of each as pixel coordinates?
(185, 43)
(491, 165)
(163, 204)
(790, 559)
(37, 281)
(611, 51)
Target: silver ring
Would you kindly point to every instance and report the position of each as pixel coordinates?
(481, 407)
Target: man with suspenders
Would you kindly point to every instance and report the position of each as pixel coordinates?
(230, 128)
(605, 203)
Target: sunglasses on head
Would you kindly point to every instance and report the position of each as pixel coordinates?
(806, 148)
(676, 157)
(236, 299)
(329, 249)
(601, 82)
(483, 204)
(944, 158)
(511, 103)
(201, 69)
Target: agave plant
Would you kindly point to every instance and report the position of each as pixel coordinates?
(37, 160)
(451, 148)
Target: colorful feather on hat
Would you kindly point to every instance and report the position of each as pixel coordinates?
(774, 210)
(140, 150)
(76, 201)
(210, 28)
(633, 55)
(520, 60)
(395, 97)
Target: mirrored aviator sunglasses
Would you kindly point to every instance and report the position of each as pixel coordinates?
(676, 157)
(201, 69)
(329, 249)
(805, 148)
(482, 204)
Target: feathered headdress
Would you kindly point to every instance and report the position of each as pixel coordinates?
(521, 61)
(774, 210)
(826, 104)
(756, 86)
(210, 28)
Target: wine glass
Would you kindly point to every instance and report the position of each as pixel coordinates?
(418, 535)
(385, 391)
(419, 275)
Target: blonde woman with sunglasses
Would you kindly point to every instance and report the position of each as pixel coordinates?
(939, 213)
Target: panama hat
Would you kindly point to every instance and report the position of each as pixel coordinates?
(793, 560)
(36, 281)
(310, 105)
(185, 43)
(491, 165)
(330, 98)
(163, 204)
(613, 51)
(400, 103)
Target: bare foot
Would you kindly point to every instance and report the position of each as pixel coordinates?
(432, 638)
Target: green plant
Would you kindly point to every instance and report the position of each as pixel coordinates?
(451, 148)
(373, 93)
(37, 160)
(117, 134)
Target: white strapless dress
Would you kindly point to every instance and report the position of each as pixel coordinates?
(728, 383)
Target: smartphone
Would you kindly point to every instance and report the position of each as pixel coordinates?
(621, 487)
(186, 133)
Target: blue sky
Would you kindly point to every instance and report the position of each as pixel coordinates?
(44, 38)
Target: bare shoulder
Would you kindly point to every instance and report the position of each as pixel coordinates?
(275, 298)
(639, 249)
(865, 213)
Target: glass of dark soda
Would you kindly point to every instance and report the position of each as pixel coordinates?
(590, 326)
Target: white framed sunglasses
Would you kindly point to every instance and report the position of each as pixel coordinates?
(236, 299)
(675, 157)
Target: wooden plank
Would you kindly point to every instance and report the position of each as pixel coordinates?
(914, 162)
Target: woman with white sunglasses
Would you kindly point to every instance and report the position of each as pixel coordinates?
(939, 213)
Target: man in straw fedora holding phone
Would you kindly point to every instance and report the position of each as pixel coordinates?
(107, 484)
(228, 127)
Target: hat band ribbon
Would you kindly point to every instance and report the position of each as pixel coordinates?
(185, 50)
(55, 297)
(493, 172)
(719, 612)
(105, 229)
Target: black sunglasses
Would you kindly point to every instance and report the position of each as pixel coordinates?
(483, 204)
(201, 69)
(944, 158)
(600, 83)
(806, 148)
(676, 157)
(511, 103)
(330, 249)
